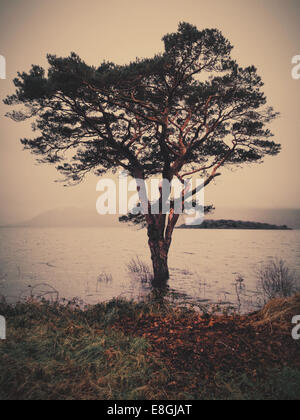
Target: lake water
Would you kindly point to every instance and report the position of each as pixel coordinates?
(204, 264)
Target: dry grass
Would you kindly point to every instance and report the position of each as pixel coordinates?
(280, 311)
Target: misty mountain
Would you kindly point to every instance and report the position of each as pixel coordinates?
(71, 217)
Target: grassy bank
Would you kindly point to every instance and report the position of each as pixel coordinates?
(123, 350)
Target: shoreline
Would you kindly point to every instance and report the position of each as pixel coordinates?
(138, 351)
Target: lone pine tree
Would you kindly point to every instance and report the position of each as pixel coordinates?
(189, 110)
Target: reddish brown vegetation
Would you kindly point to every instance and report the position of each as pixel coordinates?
(207, 346)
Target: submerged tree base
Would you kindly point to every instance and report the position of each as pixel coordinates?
(124, 350)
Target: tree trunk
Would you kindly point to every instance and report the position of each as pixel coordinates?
(160, 229)
(160, 238)
(159, 253)
(160, 264)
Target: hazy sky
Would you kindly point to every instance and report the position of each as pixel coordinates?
(265, 33)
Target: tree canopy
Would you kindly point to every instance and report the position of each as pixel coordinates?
(189, 109)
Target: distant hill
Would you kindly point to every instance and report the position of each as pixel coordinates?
(70, 217)
(233, 224)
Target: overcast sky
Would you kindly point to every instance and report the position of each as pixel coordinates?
(265, 33)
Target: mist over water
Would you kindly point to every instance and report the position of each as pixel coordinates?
(204, 264)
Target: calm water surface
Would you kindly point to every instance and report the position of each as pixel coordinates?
(204, 264)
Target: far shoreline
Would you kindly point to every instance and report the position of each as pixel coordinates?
(210, 224)
(223, 224)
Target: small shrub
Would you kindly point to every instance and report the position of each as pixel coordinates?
(276, 280)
